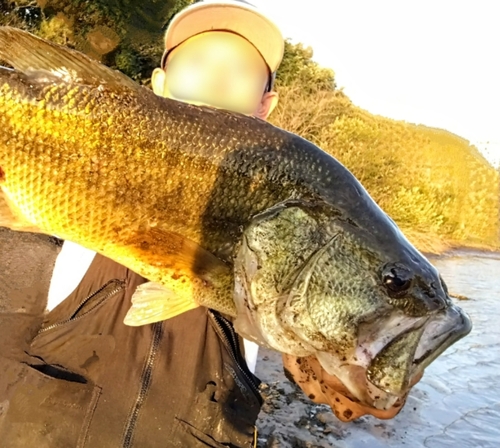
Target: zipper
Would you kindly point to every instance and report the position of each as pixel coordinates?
(146, 378)
(231, 341)
(120, 285)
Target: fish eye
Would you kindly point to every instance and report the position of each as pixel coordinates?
(397, 281)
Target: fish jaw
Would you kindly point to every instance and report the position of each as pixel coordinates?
(389, 356)
(380, 376)
(438, 333)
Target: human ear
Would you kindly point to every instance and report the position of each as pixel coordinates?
(158, 81)
(268, 103)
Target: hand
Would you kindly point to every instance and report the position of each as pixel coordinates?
(323, 388)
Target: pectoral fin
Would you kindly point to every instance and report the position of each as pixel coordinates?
(153, 302)
(184, 276)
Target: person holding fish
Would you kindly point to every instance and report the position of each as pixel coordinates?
(177, 374)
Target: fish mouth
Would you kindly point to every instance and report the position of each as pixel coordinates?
(383, 380)
(440, 333)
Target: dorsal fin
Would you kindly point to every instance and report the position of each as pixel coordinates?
(30, 54)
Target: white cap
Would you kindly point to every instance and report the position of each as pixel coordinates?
(237, 16)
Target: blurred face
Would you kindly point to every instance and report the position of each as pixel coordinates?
(218, 69)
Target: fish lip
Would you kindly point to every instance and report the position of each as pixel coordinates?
(451, 325)
(377, 337)
(455, 324)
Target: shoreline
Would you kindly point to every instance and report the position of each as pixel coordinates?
(432, 245)
(462, 250)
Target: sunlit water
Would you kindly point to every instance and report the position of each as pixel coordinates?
(457, 402)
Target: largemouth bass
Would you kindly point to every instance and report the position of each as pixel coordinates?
(218, 210)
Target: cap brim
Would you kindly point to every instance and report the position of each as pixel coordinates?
(261, 32)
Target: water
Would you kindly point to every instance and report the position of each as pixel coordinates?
(457, 402)
(461, 390)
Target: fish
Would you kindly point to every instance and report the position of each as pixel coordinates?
(220, 210)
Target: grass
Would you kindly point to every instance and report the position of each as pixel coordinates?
(437, 187)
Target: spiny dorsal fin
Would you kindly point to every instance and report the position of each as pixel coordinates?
(30, 54)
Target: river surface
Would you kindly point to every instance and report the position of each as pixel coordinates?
(456, 404)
